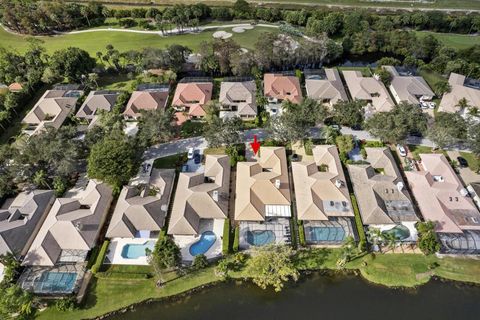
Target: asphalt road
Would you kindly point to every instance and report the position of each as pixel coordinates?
(182, 145)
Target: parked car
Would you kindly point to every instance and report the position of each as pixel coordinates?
(197, 158)
(294, 158)
(401, 150)
(190, 153)
(462, 162)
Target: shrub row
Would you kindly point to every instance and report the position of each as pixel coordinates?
(301, 233)
(236, 239)
(358, 219)
(226, 237)
(100, 257)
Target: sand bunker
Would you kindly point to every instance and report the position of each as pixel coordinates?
(221, 35)
(241, 29)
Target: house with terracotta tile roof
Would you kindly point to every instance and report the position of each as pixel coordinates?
(461, 87)
(322, 198)
(408, 87)
(200, 207)
(278, 88)
(190, 98)
(95, 101)
(382, 198)
(370, 90)
(15, 87)
(238, 99)
(326, 87)
(51, 110)
(146, 100)
(442, 198)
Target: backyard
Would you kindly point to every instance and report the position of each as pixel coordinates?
(408, 270)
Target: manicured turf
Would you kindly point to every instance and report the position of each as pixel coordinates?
(459, 41)
(473, 161)
(123, 41)
(170, 162)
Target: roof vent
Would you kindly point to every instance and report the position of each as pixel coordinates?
(215, 195)
(277, 183)
(79, 226)
(464, 192)
(400, 185)
(338, 183)
(164, 208)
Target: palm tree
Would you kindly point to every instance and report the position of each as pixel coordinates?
(375, 236)
(462, 104)
(40, 179)
(390, 239)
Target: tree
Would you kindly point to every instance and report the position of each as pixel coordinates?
(15, 301)
(112, 160)
(442, 87)
(345, 145)
(474, 138)
(71, 63)
(384, 75)
(449, 129)
(375, 236)
(348, 114)
(155, 126)
(272, 266)
(329, 134)
(427, 239)
(348, 250)
(165, 255)
(296, 120)
(395, 126)
(200, 262)
(219, 131)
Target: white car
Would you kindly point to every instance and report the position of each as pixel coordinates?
(190, 153)
(401, 150)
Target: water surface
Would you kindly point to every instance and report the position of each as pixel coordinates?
(319, 297)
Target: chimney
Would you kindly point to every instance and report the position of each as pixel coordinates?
(338, 183)
(400, 186)
(277, 183)
(215, 195)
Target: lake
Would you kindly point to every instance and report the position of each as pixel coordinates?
(319, 297)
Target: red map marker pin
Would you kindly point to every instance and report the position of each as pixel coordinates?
(255, 144)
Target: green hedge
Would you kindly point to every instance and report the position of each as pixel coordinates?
(226, 237)
(93, 257)
(236, 239)
(358, 219)
(100, 257)
(301, 233)
(293, 234)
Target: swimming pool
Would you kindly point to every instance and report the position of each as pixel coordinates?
(206, 241)
(55, 282)
(400, 232)
(260, 237)
(137, 250)
(324, 234)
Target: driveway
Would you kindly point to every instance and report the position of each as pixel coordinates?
(466, 175)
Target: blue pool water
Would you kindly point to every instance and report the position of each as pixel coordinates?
(135, 251)
(206, 241)
(260, 237)
(319, 234)
(55, 282)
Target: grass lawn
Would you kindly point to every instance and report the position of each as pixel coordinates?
(366, 72)
(219, 150)
(170, 162)
(115, 82)
(459, 41)
(416, 150)
(473, 161)
(97, 41)
(432, 78)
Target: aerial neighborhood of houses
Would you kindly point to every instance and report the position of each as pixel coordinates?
(274, 197)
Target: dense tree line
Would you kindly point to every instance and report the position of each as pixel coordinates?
(40, 17)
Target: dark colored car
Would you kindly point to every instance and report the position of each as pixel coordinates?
(294, 158)
(197, 158)
(462, 162)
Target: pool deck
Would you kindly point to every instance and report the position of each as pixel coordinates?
(215, 251)
(114, 253)
(277, 225)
